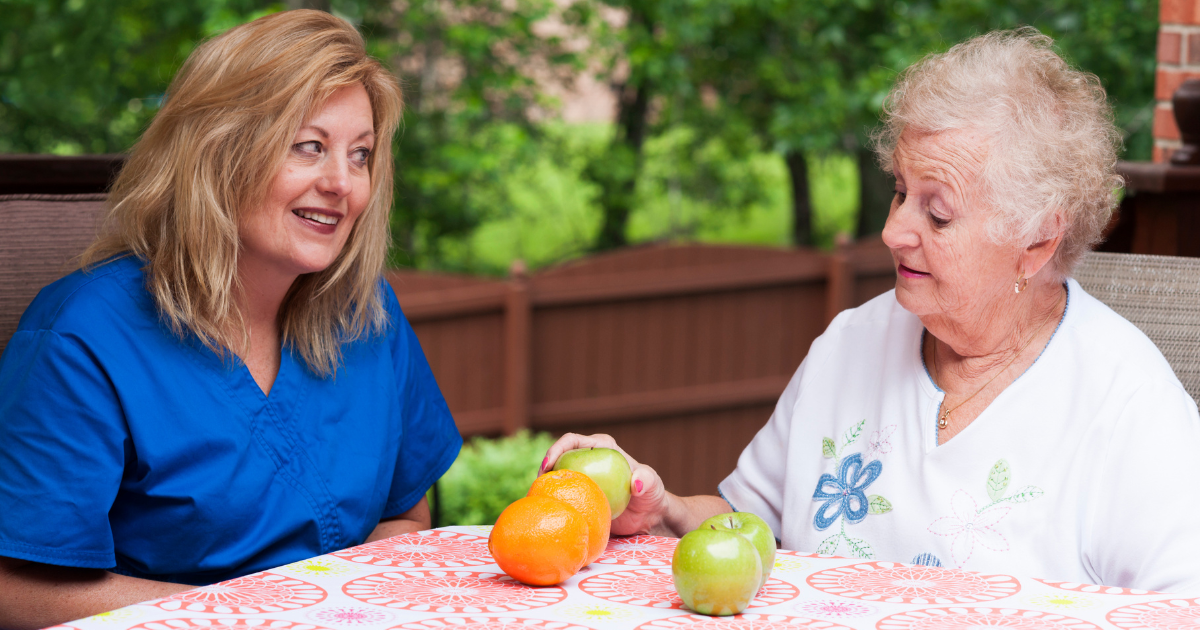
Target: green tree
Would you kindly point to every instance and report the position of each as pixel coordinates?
(805, 76)
(648, 59)
(86, 76)
(809, 76)
(641, 59)
(798, 77)
(715, 80)
(1114, 39)
(473, 72)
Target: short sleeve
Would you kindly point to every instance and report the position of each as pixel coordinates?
(431, 440)
(757, 484)
(1143, 528)
(63, 447)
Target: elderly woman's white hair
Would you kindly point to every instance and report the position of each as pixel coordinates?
(1052, 142)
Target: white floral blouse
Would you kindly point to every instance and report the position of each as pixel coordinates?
(1084, 469)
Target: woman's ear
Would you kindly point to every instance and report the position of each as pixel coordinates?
(1037, 255)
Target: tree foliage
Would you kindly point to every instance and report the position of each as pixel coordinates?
(650, 58)
(810, 76)
(715, 81)
(474, 73)
(86, 76)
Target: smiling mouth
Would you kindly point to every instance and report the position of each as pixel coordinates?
(909, 272)
(315, 216)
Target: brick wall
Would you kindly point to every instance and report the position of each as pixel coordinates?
(1178, 61)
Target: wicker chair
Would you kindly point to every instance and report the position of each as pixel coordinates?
(1160, 295)
(42, 235)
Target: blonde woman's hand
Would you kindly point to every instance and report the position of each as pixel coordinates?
(649, 501)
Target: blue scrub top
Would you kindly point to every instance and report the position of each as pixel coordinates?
(124, 447)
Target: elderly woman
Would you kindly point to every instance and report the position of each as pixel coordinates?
(228, 385)
(987, 414)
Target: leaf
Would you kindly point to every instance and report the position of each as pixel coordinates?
(860, 549)
(1025, 495)
(829, 546)
(828, 448)
(852, 433)
(998, 480)
(878, 505)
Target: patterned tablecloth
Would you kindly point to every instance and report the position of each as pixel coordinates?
(445, 579)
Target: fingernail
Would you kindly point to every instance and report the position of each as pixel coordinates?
(543, 464)
(637, 486)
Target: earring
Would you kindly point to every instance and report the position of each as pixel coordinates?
(1020, 284)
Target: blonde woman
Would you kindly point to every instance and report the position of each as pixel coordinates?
(228, 385)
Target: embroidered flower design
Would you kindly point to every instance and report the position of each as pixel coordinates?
(844, 495)
(973, 525)
(926, 560)
(880, 442)
(970, 526)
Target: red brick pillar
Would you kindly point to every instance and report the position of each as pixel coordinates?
(1178, 61)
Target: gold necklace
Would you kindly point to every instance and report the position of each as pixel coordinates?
(944, 419)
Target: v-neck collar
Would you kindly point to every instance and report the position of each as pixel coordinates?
(235, 378)
(281, 377)
(938, 396)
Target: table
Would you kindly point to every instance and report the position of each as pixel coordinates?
(444, 579)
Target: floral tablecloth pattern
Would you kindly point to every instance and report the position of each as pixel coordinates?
(444, 579)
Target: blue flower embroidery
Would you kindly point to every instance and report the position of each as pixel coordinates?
(845, 493)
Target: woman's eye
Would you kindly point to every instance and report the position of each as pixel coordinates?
(361, 156)
(900, 197)
(310, 147)
(938, 221)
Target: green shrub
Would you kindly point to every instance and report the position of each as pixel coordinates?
(488, 475)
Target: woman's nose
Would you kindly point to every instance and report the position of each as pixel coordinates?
(335, 177)
(898, 230)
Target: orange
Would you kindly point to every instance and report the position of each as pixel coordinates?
(539, 540)
(580, 492)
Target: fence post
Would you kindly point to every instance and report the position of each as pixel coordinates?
(840, 291)
(517, 319)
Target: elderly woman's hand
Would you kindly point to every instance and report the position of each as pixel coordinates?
(649, 501)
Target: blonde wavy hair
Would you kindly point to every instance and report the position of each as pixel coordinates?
(210, 156)
(1052, 142)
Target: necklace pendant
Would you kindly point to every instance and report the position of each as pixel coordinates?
(944, 420)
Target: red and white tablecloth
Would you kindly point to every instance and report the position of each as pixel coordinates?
(445, 579)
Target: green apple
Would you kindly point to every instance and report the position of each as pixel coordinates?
(716, 572)
(755, 530)
(607, 467)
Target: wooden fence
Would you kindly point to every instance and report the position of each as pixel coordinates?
(678, 352)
